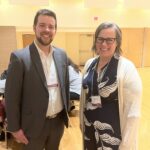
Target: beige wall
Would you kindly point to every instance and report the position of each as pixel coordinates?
(135, 44)
(73, 15)
(78, 45)
(75, 24)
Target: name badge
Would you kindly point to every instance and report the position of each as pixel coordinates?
(96, 101)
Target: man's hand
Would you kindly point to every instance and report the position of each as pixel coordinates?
(20, 137)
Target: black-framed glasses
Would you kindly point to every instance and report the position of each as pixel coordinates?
(108, 41)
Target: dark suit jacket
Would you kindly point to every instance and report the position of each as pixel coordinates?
(26, 90)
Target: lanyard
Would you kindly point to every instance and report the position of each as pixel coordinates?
(98, 79)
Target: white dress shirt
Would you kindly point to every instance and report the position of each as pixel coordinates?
(55, 102)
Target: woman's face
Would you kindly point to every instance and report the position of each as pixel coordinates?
(106, 43)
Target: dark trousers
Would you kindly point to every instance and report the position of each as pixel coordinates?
(74, 96)
(50, 137)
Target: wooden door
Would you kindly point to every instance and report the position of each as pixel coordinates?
(27, 39)
(85, 45)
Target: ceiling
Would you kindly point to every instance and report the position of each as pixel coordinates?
(130, 4)
(104, 4)
(29, 2)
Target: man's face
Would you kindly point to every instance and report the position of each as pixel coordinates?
(45, 29)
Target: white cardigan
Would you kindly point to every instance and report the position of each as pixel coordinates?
(129, 96)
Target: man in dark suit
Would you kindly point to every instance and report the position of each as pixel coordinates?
(37, 89)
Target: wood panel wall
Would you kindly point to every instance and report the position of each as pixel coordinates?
(78, 45)
(8, 43)
(146, 49)
(132, 45)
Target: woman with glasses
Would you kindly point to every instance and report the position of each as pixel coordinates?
(110, 96)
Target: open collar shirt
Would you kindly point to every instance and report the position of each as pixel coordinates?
(55, 103)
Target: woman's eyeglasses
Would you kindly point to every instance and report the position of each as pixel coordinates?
(108, 41)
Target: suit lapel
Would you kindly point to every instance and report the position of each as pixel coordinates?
(38, 64)
(59, 66)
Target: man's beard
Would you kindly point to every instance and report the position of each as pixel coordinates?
(42, 42)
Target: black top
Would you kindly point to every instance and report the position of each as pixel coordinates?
(102, 124)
